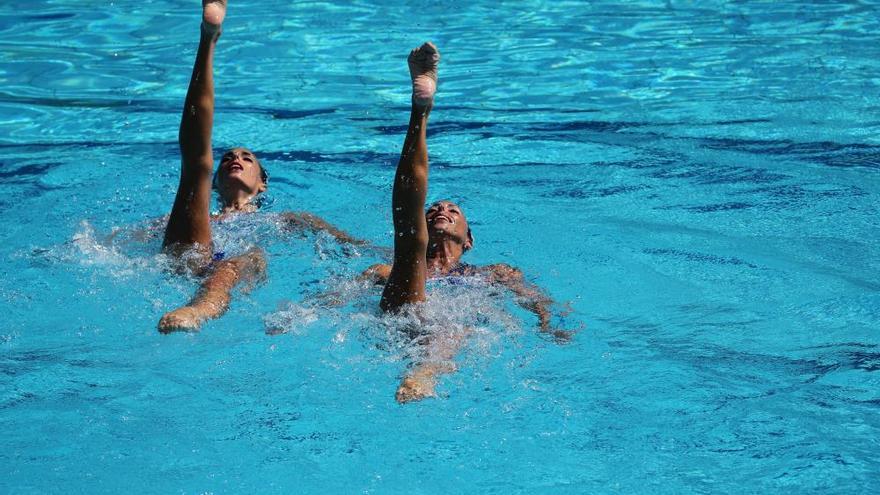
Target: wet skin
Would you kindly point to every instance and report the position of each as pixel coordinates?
(239, 180)
(430, 243)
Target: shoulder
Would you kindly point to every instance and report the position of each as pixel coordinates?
(502, 272)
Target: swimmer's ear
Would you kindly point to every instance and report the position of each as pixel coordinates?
(469, 243)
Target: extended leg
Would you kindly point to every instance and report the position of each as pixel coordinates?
(213, 297)
(190, 223)
(406, 282)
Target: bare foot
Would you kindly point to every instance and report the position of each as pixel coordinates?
(415, 387)
(185, 319)
(213, 13)
(423, 70)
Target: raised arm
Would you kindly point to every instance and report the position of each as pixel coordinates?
(406, 282)
(529, 297)
(190, 221)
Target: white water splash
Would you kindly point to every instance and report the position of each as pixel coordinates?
(470, 309)
(87, 248)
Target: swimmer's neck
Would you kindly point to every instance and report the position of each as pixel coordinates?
(243, 203)
(443, 256)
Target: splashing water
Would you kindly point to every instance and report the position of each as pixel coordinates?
(459, 306)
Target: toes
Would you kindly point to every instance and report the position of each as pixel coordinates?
(412, 389)
(428, 48)
(167, 324)
(423, 70)
(178, 321)
(426, 53)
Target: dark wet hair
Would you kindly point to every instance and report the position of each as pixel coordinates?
(264, 174)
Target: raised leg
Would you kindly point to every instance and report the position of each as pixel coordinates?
(189, 224)
(406, 283)
(213, 297)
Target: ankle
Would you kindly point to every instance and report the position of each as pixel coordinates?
(211, 32)
(422, 108)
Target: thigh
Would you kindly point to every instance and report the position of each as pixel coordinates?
(406, 283)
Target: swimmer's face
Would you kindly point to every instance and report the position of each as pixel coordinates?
(446, 219)
(240, 170)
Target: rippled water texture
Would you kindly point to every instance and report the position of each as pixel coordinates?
(697, 182)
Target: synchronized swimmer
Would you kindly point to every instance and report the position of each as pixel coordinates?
(427, 244)
(239, 180)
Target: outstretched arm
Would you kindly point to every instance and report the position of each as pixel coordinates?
(406, 282)
(528, 296)
(190, 221)
(314, 223)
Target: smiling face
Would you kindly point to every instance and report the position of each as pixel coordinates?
(446, 220)
(239, 173)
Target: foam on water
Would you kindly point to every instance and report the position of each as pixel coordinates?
(470, 308)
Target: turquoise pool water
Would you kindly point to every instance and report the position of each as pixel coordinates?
(697, 182)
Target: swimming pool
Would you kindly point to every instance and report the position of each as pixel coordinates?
(697, 180)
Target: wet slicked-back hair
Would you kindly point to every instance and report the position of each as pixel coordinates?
(264, 174)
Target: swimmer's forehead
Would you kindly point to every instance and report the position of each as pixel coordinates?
(446, 202)
(244, 151)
